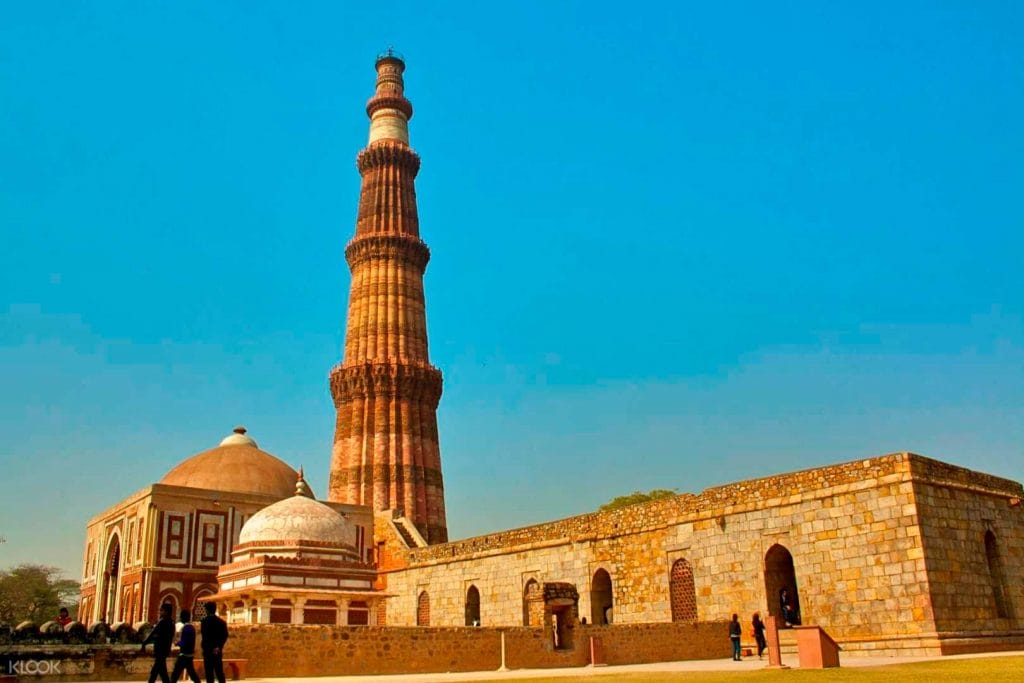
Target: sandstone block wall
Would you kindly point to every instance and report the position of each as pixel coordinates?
(281, 650)
(957, 510)
(285, 651)
(853, 530)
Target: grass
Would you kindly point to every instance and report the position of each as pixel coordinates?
(994, 669)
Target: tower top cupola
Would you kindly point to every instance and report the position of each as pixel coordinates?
(388, 109)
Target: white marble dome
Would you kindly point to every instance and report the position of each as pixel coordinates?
(298, 519)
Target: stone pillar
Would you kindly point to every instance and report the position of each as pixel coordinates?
(263, 611)
(343, 612)
(386, 453)
(298, 606)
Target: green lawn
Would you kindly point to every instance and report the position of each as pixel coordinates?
(995, 669)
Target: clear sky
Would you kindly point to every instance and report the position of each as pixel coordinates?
(674, 245)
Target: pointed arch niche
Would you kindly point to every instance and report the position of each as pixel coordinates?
(472, 606)
(111, 581)
(601, 606)
(779, 576)
(682, 592)
(423, 609)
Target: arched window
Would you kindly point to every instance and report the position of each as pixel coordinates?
(601, 598)
(169, 598)
(111, 581)
(995, 573)
(199, 600)
(423, 609)
(472, 607)
(682, 592)
(780, 585)
(533, 604)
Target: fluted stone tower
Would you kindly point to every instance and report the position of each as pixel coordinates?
(386, 391)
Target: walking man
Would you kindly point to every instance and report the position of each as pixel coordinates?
(186, 649)
(215, 634)
(161, 636)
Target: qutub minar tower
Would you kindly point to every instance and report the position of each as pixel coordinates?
(386, 392)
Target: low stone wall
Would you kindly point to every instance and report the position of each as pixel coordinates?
(283, 651)
(76, 662)
(336, 650)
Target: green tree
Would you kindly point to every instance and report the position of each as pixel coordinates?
(637, 497)
(35, 592)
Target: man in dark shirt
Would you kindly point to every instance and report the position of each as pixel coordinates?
(215, 634)
(186, 649)
(161, 636)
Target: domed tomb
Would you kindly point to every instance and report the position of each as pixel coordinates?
(297, 525)
(237, 465)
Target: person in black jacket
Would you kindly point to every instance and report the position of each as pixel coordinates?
(759, 627)
(735, 631)
(215, 633)
(186, 649)
(161, 636)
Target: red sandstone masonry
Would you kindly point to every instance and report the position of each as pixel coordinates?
(286, 651)
(275, 650)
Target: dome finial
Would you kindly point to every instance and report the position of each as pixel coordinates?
(301, 488)
(239, 437)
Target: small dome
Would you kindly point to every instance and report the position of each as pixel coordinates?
(239, 438)
(236, 465)
(299, 518)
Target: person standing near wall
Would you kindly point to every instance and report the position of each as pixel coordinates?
(161, 636)
(735, 631)
(762, 643)
(215, 634)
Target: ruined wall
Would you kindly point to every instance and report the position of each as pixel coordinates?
(852, 530)
(957, 509)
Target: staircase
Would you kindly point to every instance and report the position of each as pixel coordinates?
(408, 532)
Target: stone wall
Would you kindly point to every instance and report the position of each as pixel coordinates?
(76, 662)
(336, 650)
(957, 512)
(853, 531)
(289, 651)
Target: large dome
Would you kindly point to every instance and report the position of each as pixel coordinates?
(236, 465)
(298, 519)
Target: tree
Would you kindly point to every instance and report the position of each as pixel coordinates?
(35, 592)
(637, 497)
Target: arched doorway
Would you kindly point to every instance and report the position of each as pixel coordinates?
(111, 581)
(533, 604)
(601, 598)
(995, 573)
(780, 576)
(682, 592)
(472, 607)
(423, 609)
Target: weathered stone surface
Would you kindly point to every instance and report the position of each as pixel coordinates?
(888, 553)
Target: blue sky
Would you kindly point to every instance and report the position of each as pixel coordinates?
(673, 245)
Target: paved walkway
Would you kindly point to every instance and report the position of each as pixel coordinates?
(748, 664)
